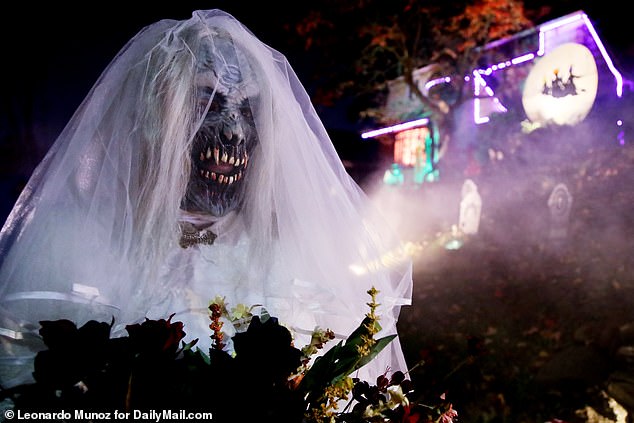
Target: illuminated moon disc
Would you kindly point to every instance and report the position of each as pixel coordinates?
(562, 86)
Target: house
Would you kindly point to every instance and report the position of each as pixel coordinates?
(557, 73)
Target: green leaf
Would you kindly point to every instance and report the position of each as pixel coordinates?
(322, 372)
(376, 349)
(341, 360)
(355, 336)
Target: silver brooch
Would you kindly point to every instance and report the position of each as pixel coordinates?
(190, 235)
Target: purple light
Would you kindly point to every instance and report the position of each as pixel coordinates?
(606, 56)
(515, 61)
(542, 43)
(543, 29)
(477, 83)
(557, 23)
(523, 58)
(395, 128)
(565, 20)
(437, 81)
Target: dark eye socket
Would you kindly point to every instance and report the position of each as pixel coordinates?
(245, 109)
(217, 101)
(205, 93)
(215, 106)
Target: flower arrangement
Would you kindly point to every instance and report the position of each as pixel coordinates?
(263, 377)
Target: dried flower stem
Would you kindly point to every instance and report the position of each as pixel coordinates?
(216, 326)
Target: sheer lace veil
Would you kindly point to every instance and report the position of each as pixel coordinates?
(96, 228)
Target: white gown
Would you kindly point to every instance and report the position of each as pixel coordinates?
(95, 233)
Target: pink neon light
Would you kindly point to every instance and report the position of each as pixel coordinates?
(568, 20)
(477, 83)
(437, 81)
(554, 25)
(523, 58)
(395, 128)
(606, 56)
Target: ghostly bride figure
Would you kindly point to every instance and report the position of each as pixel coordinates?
(196, 167)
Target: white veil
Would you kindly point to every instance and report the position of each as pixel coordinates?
(95, 233)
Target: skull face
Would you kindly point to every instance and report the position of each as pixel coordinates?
(223, 145)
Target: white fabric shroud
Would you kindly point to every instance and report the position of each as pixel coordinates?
(95, 233)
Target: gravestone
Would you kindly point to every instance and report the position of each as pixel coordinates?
(559, 203)
(470, 208)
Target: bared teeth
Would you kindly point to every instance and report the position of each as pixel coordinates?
(238, 161)
(221, 178)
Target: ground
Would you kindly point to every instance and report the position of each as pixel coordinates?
(518, 325)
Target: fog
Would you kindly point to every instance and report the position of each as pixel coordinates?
(515, 173)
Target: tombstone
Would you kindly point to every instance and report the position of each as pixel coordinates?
(470, 208)
(559, 202)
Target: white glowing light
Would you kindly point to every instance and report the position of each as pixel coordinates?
(389, 259)
(562, 86)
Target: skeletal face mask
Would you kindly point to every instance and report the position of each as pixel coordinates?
(223, 145)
